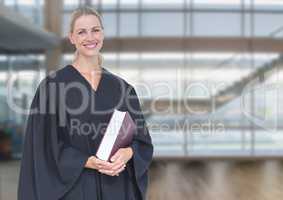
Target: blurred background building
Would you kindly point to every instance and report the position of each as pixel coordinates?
(208, 74)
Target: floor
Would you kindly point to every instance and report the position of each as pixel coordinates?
(205, 180)
(8, 180)
(225, 180)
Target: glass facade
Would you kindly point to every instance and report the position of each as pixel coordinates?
(19, 77)
(196, 103)
(192, 17)
(32, 9)
(224, 128)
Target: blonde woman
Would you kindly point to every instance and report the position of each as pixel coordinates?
(68, 116)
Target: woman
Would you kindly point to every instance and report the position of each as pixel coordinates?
(67, 119)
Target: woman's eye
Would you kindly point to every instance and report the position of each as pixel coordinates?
(81, 32)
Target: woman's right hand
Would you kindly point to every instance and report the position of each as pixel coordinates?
(95, 163)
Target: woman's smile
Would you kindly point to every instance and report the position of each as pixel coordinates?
(90, 45)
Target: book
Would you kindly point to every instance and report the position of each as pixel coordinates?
(119, 134)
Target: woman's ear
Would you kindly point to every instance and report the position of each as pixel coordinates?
(71, 38)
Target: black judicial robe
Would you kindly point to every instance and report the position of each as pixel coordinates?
(66, 123)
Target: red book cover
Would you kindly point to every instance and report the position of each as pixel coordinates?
(119, 134)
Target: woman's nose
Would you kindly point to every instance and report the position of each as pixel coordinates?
(90, 36)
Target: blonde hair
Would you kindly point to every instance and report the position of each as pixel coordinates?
(81, 11)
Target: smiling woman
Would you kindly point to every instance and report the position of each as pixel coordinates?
(86, 33)
(60, 165)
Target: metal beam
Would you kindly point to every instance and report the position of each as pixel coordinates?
(187, 10)
(53, 23)
(193, 44)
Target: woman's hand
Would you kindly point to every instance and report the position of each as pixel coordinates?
(119, 160)
(95, 163)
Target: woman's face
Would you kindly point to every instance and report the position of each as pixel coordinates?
(87, 35)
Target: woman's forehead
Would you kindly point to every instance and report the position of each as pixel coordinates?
(87, 21)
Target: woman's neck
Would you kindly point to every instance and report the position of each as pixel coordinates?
(87, 65)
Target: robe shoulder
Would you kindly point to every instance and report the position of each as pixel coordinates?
(60, 75)
(65, 74)
(117, 79)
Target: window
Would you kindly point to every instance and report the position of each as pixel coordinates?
(159, 4)
(217, 24)
(129, 24)
(110, 24)
(155, 24)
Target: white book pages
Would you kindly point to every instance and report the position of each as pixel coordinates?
(110, 135)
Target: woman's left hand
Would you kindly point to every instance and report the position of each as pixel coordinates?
(119, 160)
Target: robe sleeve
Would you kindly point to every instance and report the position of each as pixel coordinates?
(49, 166)
(141, 145)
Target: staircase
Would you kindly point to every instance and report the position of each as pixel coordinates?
(233, 91)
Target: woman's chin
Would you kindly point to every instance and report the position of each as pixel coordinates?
(90, 54)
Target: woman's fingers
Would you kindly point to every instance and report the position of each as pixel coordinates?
(115, 156)
(107, 172)
(112, 172)
(119, 170)
(111, 169)
(118, 166)
(101, 164)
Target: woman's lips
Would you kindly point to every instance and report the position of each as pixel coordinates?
(90, 46)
